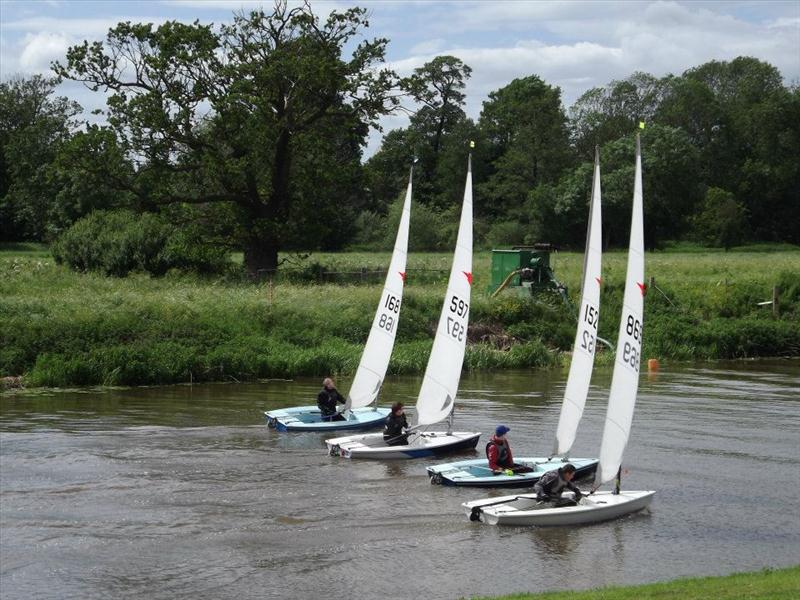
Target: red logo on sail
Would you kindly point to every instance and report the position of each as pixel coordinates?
(468, 276)
(402, 275)
(642, 288)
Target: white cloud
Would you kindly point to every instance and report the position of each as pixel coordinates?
(428, 46)
(40, 49)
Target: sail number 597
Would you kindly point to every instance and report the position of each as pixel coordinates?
(456, 328)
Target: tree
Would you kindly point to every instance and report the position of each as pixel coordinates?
(721, 221)
(525, 129)
(754, 142)
(605, 114)
(243, 115)
(670, 185)
(33, 125)
(437, 86)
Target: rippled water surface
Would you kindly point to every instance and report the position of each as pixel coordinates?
(183, 492)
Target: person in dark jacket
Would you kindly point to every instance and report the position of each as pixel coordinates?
(553, 483)
(327, 399)
(498, 451)
(396, 423)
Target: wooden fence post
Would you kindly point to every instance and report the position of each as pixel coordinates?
(776, 311)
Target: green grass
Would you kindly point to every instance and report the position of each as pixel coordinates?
(60, 328)
(769, 584)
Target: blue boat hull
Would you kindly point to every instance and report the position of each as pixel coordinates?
(309, 418)
(476, 473)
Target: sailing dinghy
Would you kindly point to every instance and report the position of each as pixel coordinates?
(476, 473)
(361, 411)
(442, 375)
(524, 509)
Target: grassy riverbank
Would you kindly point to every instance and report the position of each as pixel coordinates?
(61, 328)
(763, 585)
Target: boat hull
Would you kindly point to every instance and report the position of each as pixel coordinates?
(309, 418)
(432, 443)
(521, 509)
(476, 473)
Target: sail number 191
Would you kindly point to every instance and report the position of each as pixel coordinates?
(388, 320)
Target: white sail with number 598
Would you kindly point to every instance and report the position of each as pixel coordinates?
(529, 509)
(440, 383)
(625, 379)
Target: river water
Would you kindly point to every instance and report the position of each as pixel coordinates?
(183, 492)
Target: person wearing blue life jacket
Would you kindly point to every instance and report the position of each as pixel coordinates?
(327, 399)
(498, 451)
(553, 483)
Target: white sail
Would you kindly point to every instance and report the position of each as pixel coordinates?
(378, 350)
(580, 371)
(440, 384)
(625, 379)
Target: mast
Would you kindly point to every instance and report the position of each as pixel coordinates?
(378, 350)
(625, 379)
(583, 350)
(442, 375)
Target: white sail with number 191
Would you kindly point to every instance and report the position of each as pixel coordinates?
(378, 350)
(440, 383)
(374, 360)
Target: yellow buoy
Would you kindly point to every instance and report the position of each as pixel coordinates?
(652, 365)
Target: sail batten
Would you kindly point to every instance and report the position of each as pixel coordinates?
(580, 372)
(625, 379)
(443, 372)
(378, 349)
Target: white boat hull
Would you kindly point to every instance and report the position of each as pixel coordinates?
(521, 509)
(429, 443)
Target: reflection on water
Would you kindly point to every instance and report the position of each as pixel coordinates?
(183, 492)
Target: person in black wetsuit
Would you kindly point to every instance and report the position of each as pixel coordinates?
(327, 399)
(552, 484)
(396, 422)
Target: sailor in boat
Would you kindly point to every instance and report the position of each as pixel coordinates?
(327, 399)
(498, 451)
(394, 433)
(553, 483)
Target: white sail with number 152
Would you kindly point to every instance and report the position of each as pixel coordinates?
(528, 509)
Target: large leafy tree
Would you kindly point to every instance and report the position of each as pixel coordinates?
(266, 114)
(34, 124)
(604, 114)
(753, 142)
(437, 86)
(525, 129)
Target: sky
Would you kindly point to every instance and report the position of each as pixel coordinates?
(573, 45)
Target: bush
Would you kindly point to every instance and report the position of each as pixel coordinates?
(119, 242)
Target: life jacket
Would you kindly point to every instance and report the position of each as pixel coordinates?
(502, 452)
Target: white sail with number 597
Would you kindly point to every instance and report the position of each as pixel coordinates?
(440, 383)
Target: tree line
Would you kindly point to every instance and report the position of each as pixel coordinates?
(249, 136)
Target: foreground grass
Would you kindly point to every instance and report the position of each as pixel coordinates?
(768, 584)
(60, 328)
